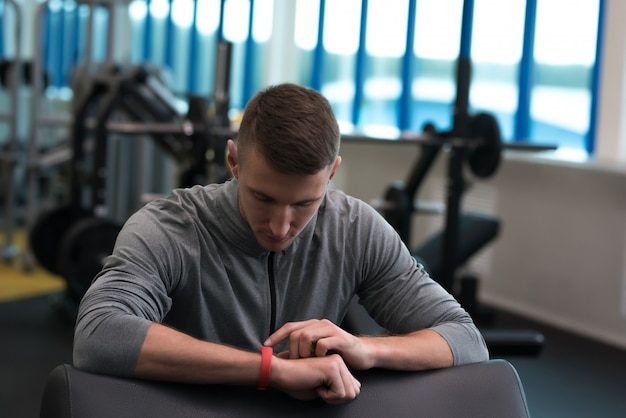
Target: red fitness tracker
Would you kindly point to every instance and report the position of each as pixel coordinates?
(266, 367)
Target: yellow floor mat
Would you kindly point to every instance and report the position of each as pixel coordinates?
(17, 282)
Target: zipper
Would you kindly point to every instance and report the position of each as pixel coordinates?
(272, 283)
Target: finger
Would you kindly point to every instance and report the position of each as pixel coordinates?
(302, 344)
(339, 383)
(337, 342)
(285, 331)
(345, 389)
(324, 346)
(304, 341)
(352, 387)
(330, 395)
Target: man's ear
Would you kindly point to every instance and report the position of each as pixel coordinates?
(335, 167)
(233, 158)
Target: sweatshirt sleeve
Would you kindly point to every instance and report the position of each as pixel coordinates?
(401, 296)
(128, 295)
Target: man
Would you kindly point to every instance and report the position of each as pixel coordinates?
(200, 280)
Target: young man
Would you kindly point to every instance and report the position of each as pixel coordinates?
(200, 280)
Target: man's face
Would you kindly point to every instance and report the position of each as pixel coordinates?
(276, 206)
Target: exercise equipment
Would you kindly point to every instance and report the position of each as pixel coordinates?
(464, 233)
(83, 250)
(11, 76)
(489, 389)
(45, 236)
(484, 159)
(73, 240)
(45, 150)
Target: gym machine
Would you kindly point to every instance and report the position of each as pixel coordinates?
(464, 233)
(474, 140)
(74, 239)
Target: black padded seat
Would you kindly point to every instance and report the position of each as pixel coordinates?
(475, 231)
(489, 389)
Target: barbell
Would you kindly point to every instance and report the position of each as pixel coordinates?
(483, 143)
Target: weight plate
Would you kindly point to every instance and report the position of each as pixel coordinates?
(83, 250)
(45, 235)
(484, 160)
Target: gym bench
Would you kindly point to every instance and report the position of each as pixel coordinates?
(489, 389)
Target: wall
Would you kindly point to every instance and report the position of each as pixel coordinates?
(561, 257)
(611, 129)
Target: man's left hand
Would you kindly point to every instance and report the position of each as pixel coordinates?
(318, 338)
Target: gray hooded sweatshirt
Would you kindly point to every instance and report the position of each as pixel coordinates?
(190, 261)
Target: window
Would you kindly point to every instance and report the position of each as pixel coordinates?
(385, 46)
(341, 43)
(543, 49)
(436, 48)
(497, 41)
(386, 66)
(564, 57)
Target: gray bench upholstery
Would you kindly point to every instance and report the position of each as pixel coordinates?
(489, 389)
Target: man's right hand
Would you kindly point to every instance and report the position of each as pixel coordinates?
(325, 377)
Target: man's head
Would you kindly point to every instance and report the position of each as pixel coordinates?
(286, 154)
(292, 127)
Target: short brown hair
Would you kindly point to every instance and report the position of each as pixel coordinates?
(293, 127)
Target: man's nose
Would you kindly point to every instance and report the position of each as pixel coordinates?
(280, 221)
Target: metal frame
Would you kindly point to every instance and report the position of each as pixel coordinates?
(36, 159)
(10, 158)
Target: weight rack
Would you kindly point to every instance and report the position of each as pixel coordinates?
(72, 240)
(10, 156)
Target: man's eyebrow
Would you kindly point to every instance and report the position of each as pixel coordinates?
(306, 201)
(270, 198)
(259, 193)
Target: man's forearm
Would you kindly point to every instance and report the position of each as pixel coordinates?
(171, 355)
(419, 350)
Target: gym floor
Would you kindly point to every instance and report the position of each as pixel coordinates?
(572, 377)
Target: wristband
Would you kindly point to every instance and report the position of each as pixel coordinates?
(266, 367)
